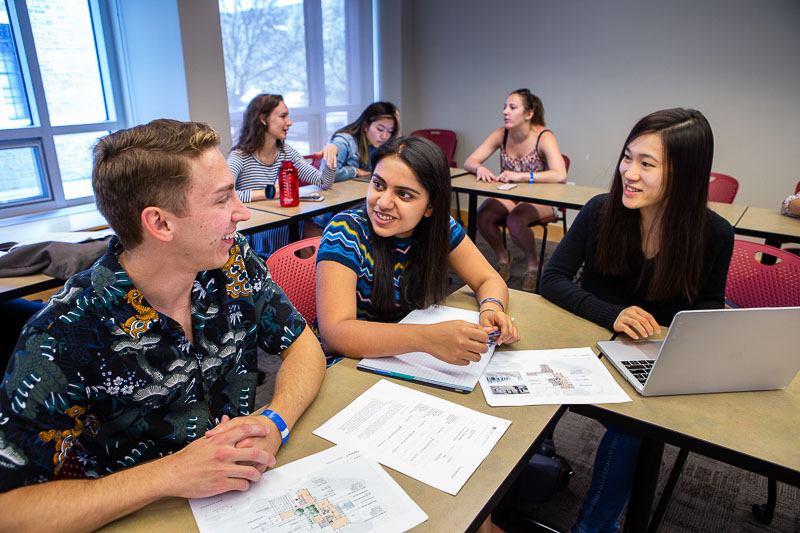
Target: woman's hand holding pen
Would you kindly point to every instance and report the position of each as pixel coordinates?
(456, 342)
(509, 333)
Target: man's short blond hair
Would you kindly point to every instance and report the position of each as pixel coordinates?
(146, 166)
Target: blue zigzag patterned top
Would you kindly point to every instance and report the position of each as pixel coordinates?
(346, 241)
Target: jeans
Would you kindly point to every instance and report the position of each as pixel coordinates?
(612, 477)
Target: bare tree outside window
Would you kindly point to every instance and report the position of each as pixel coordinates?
(274, 46)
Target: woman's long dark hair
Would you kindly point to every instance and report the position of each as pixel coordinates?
(688, 151)
(374, 111)
(255, 123)
(424, 281)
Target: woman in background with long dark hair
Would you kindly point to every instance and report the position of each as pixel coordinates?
(646, 250)
(356, 142)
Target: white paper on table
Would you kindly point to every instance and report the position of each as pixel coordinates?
(539, 377)
(67, 236)
(425, 368)
(338, 488)
(435, 441)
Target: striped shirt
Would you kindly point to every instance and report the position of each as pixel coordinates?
(346, 241)
(251, 174)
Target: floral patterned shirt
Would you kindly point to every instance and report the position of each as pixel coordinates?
(102, 380)
(785, 205)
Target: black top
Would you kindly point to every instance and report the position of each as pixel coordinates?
(601, 298)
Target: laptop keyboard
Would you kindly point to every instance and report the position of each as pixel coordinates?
(640, 369)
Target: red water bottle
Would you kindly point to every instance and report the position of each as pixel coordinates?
(288, 183)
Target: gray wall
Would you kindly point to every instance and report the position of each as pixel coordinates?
(600, 65)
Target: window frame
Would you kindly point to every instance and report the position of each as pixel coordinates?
(41, 133)
(358, 57)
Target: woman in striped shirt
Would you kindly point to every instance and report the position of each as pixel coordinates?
(256, 158)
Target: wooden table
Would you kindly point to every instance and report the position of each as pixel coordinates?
(342, 195)
(768, 224)
(555, 194)
(467, 510)
(730, 212)
(757, 431)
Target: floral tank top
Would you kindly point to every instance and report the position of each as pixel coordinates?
(528, 163)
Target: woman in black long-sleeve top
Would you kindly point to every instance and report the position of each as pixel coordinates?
(649, 248)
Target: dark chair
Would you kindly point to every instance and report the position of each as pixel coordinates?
(297, 276)
(722, 188)
(543, 222)
(14, 313)
(444, 139)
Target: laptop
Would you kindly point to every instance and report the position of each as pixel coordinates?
(715, 350)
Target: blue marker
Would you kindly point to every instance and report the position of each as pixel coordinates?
(493, 336)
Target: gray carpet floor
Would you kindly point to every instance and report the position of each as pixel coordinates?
(710, 496)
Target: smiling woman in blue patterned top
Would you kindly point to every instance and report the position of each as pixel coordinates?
(376, 264)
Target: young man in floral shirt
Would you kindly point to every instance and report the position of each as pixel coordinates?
(138, 379)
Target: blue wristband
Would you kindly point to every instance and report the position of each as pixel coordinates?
(275, 417)
(495, 300)
(532, 178)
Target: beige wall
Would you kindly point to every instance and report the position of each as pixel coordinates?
(204, 65)
(600, 65)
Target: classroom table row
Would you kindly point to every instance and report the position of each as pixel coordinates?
(754, 430)
(752, 221)
(264, 215)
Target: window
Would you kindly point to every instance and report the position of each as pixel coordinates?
(311, 52)
(57, 98)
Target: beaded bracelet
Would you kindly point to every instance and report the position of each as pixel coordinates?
(495, 300)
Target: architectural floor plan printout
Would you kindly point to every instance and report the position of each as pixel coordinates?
(539, 377)
(440, 443)
(336, 491)
(425, 368)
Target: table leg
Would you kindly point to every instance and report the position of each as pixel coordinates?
(472, 225)
(294, 232)
(644, 486)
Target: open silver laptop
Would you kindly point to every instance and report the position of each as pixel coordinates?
(719, 350)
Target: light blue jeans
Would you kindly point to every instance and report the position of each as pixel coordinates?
(612, 477)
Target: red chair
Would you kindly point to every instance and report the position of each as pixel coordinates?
(543, 222)
(445, 139)
(751, 283)
(315, 161)
(722, 188)
(297, 276)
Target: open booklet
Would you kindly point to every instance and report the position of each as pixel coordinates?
(424, 368)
